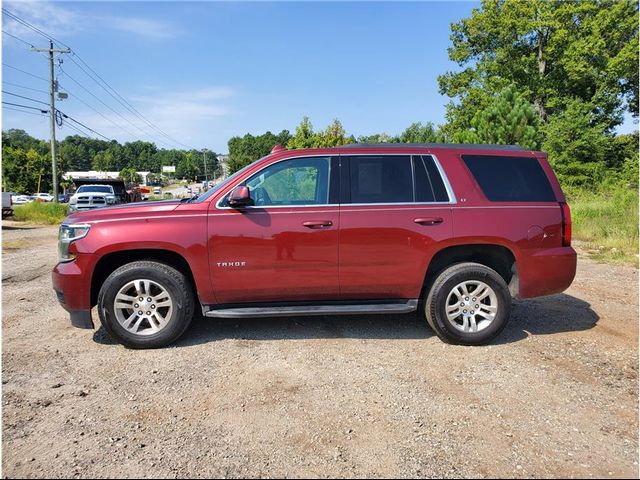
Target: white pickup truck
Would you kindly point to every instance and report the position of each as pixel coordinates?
(88, 197)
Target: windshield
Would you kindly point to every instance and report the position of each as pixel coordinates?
(224, 183)
(95, 188)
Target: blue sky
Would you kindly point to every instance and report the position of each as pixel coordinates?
(206, 71)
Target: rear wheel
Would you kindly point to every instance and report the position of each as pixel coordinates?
(468, 304)
(146, 304)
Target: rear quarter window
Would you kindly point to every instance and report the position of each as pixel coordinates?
(510, 179)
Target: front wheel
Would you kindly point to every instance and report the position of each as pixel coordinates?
(146, 304)
(468, 304)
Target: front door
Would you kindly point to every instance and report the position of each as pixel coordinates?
(284, 247)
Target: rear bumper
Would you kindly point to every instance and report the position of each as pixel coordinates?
(546, 271)
(72, 284)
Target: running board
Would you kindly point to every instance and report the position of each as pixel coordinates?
(292, 311)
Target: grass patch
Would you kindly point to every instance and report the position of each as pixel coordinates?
(13, 244)
(157, 198)
(607, 221)
(47, 213)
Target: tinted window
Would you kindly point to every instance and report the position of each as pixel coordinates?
(510, 179)
(381, 179)
(299, 181)
(429, 184)
(87, 188)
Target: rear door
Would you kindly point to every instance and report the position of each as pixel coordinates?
(394, 210)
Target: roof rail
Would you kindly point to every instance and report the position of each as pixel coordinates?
(434, 145)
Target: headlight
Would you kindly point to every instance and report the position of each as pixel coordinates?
(111, 199)
(68, 234)
(73, 200)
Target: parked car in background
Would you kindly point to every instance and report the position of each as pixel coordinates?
(43, 197)
(7, 209)
(64, 197)
(453, 231)
(21, 199)
(89, 197)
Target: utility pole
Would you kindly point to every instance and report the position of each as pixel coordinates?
(52, 113)
(206, 177)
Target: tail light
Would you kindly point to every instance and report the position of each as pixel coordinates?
(566, 225)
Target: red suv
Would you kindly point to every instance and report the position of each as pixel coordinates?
(453, 231)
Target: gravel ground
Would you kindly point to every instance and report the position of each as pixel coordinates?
(368, 396)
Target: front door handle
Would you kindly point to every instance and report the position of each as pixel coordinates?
(318, 224)
(429, 220)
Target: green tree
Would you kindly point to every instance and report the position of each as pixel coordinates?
(553, 52)
(573, 61)
(378, 138)
(248, 149)
(129, 174)
(508, 120)
(303, 137)
(419, 133)
(333, 136)
(188, 167)
(577, 145)
(39, 166)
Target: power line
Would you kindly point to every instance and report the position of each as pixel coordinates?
(25, 98)
(41, 114)
(128, 132)
(73, 127)
(64, 115)
(17, 38)
(101, 82)
(23, 71)
(25, 106)
(120, 99)
(26, 88)
(32, 27)
(114, 94)
(106, 105)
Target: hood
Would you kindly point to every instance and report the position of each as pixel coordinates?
(123, 211)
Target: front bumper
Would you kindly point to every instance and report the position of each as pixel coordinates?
(72, 284)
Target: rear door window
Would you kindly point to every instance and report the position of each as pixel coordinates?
(510, 179)
(381, 179)
(428, 182)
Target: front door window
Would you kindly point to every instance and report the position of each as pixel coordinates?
(295, 182)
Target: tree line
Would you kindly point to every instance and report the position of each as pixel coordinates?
(26, 161)
(544, 74)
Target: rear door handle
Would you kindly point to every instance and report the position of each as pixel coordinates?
(318, 223)
(428, 220)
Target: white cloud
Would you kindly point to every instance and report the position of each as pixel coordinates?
(141, 26)
(189, 115)
(60, 21)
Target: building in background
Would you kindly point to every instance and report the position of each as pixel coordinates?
(103, 175)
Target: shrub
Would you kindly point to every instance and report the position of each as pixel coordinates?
(40, 212)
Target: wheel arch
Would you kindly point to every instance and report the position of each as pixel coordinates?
(497, 257)
(109, 262)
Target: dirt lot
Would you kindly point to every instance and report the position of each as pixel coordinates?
(367, 396)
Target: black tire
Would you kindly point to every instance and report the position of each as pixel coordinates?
(174, 282)
(436, 303)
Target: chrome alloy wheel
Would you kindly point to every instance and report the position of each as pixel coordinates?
(471, 306)
(143, 307)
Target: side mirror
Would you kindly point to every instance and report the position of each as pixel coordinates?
(240, 197)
